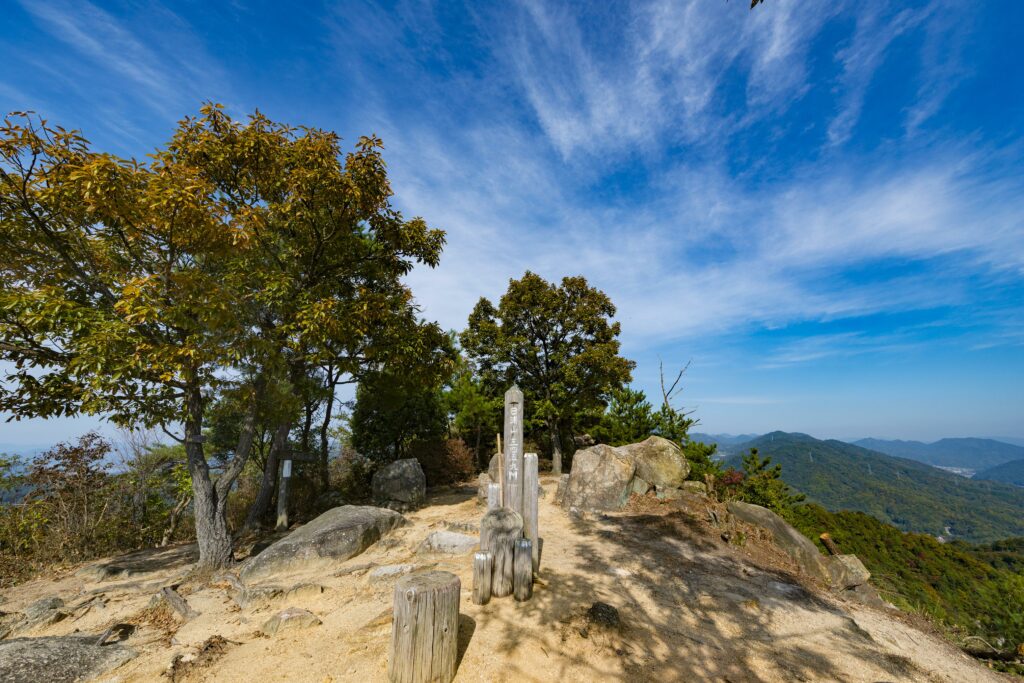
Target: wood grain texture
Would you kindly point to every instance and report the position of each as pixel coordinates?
(493, 496)
(531, 493)
(425, 631)
(499, 530)
(522, 570)
(483, 567)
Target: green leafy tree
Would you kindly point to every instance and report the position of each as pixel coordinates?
(391, 412)
(762, 484)
(558, 343)
(240, 254)
(629, 418)
(474, 415)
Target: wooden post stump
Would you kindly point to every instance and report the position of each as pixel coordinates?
(499, 531)
(493, 496)
(483, 567)
(425, 632)
(531, 491)
(523, 569)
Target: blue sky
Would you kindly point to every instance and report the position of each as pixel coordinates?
(819, 204)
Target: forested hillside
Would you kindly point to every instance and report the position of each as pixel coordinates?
(1008, 473)
(909, 495)
(977, 590)
(970, 453)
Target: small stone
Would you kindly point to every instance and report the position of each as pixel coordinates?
(290, 619)
(390, 571)
(603, 614)
(447, 542)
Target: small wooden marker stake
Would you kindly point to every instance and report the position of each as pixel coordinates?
(425, 632)
(499, 531)
(523, 569)
(493, 496)
(483, 564)
(531, 486)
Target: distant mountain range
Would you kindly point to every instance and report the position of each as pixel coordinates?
(907, 494)
(972, 453)
(1009, 473)
(727, 443)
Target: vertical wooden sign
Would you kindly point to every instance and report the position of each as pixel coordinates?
(514, 449)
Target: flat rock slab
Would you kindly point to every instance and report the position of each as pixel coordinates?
(330, 539)
(448, 542)
(290, 619)
(59, 659)
(390, 571)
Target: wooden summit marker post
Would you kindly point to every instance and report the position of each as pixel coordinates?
(513, 497)
(531, 522)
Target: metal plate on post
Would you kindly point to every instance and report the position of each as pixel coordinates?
(286, 469)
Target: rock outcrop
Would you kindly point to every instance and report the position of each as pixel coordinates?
(847, 571)
(290, 619)
(659, 462)
(330, 539)
(603, 477)
(800, 548)
(400, 485)
(59, 659)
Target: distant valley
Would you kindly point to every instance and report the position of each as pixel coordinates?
(908, 494)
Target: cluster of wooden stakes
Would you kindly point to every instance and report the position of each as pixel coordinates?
(424, 633)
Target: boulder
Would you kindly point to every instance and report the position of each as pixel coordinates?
(492, 468)
(563, 484)
(59, 659)
(847, 571)
(669, 494)
(659, 462)
(640, 487)
(866, 595)
(390, 571)
(400, 485)
(482, 482)
(448, 542)
(601, 479)
(584, 441)
(330, 539)
(698, 488)
(290, 619)
(800, 548)
(257, 596)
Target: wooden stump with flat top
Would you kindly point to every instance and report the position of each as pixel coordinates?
(483, 568)
(425, 632)
(499, 531)
(522, 569)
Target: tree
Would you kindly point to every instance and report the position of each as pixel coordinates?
(762, 484)
(629, 418)
(473, 414)
(240, 254)
(557, 343)
(391, 412)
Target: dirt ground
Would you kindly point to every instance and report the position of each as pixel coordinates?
(692, 608)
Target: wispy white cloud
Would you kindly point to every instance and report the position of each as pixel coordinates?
(157, 61)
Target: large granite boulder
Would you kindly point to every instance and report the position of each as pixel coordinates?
(59, 659)
(847, 571)
(330, 539)
(601, 479)
(400, 485)
(659, 462)
(800, 548)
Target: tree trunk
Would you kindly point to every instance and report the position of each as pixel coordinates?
(324, 465)
(211, 533)
(556, 448)
(262, 503)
